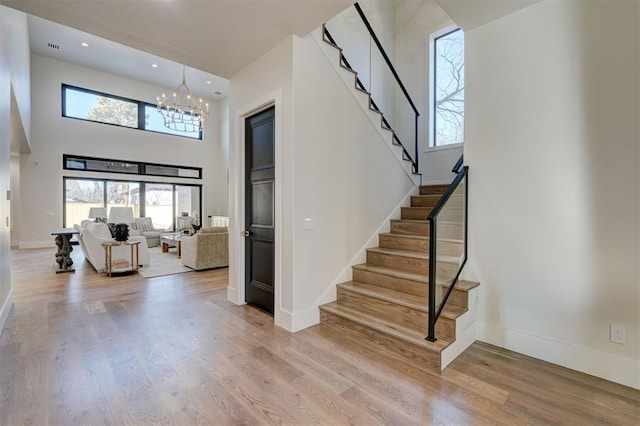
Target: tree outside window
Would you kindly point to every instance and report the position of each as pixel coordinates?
(448, 89)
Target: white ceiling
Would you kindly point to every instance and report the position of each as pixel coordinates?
(219, 37)
(118, 59)
(470, 14)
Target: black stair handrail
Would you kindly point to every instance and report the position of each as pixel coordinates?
(433, 246)
(458, 164)
(415, 158)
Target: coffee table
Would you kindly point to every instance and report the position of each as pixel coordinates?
(169, 241)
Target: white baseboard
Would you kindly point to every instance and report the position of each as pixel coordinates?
(36, 244)
(299, 320)
(232, 296)
(4, 311)
(614, 368)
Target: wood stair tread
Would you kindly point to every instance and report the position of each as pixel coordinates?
(386, 327)
(392, 272)
(462, 285)
(425, 220)
(438, 185)
(397, 297)
(419, 237)
(431, 207)
(412, 254)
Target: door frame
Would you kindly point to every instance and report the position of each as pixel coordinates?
(235, 289)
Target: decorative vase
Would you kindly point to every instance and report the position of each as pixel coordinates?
(121, 233)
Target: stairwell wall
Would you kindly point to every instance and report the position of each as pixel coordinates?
(552, 143)
(332, 167)
(346, 179)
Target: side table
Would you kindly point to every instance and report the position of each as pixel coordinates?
(109, 266)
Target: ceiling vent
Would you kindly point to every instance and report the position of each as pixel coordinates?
(53, 46)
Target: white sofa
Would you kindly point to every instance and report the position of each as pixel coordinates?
(144, 226)
(91, 235)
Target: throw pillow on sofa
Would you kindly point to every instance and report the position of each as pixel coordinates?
(144, 224)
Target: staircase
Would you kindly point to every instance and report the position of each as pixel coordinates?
(386, 303)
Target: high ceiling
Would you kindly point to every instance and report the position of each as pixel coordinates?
(219, 37)
(68, 44)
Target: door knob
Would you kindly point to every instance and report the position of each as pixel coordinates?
(245, 233)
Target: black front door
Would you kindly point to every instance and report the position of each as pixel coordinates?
(260, 209)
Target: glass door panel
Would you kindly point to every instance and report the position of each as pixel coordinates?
(80, 196)
(124, 194)
(159, 204)
(188, 203)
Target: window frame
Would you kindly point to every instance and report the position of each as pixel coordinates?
(139, 104)
(142, 167)
(433, 37)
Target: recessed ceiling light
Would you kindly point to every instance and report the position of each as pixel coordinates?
(208, 82)
(154, 65)
(85, 44)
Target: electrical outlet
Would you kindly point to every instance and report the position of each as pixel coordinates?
(616, 334)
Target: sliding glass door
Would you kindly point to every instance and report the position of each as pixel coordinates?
(162, 202)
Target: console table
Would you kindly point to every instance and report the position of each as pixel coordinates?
(110, 267)
(63, 256)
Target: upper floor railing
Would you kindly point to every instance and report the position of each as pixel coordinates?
(352, 32)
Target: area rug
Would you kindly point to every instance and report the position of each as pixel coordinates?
(162, 264)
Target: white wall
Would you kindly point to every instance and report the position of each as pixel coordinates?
(331, 166)
(269, 80)
(415, 20)
(53, 135)
(15, 45)
(552, 143)
(346, 179)
(14, 61)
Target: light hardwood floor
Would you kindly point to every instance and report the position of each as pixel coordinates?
(83, 348)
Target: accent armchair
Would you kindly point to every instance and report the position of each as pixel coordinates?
(209, 248)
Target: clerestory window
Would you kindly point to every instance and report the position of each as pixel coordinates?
(90, 105)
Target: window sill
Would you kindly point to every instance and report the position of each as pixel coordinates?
(445, 147)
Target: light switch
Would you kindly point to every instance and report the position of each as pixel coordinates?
(309, 223)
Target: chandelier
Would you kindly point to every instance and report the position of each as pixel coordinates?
(180, 111)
